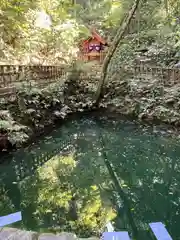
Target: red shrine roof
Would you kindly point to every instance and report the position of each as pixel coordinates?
(96, 36)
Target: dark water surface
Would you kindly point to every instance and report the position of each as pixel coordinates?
(91, 171)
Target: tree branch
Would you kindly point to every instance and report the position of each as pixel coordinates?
(112, 49)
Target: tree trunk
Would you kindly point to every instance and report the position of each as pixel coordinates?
(112, 49)
(166, 7)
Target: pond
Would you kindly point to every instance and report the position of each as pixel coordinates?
(91, 171)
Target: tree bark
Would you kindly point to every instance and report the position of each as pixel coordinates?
(166, 6)
(112, 49)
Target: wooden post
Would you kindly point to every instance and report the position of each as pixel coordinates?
(2, 80)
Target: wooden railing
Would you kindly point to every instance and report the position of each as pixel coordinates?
(165, 74)
(10, 76)
(13, 74)
(42, 75)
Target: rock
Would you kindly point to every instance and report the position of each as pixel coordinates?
(16, 234)
(92, 238)
(6, 233)
(67, 236)
(177, 65)
(5, 144)
(170, 101)
(48, 236)
(145, 97)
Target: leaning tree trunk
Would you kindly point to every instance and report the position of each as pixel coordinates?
(112, 49)
(166, 7)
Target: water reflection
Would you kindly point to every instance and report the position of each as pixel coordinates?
(92, 171)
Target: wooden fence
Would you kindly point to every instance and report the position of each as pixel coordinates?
(11, 75)
(43, 75)
(165, 75)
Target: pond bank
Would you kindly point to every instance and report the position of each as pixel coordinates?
(34, 112)
(144, 97)
(109, 114)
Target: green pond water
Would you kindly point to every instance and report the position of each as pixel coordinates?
(91, 171)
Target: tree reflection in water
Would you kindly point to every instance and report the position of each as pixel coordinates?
(92, 171)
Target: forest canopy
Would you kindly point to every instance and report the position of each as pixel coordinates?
(49, 31)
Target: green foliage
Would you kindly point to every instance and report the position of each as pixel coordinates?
(17, 133)
(46, 31)
(38, 108)
(153, 29)
(55, 199)
(27, 39)
(143, 96)
(23, 36)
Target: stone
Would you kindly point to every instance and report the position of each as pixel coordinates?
(67, 236)
(177, 65)
(91, 238)
(16, 234)
(4, 142)
(7, 233)
(48, 236)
